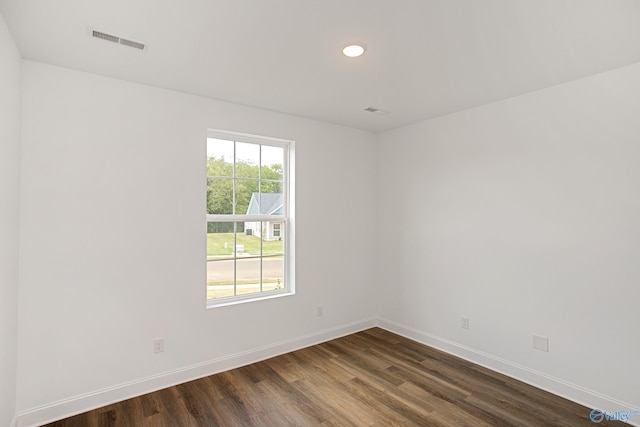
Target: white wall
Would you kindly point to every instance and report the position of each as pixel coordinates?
(113, 243)
(521, 215)
(524, 216)
(10, 64)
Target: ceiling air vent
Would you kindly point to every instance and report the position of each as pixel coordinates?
(377, 111)
(115, 39)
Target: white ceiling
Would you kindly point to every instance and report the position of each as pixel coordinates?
(425, 58)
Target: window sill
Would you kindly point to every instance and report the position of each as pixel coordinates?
(225, 302)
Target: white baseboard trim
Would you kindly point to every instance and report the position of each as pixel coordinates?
(557, 386)
(82, 403)
(86, 402)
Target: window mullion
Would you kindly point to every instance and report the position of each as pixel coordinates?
(233, 191)
(235, 226)
(261, 253)
(235, 259)
(261, 223)
(244, 218)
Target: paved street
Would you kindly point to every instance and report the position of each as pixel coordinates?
(247, 269)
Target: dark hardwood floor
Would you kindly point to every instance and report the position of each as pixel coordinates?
(372, 378)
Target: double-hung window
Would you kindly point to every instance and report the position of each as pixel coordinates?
(249, 218)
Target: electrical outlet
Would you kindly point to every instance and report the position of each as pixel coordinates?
(541, 343)
(320, 311)
(465, 323)
(158, 345)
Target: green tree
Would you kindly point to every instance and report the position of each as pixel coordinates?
(220, 184)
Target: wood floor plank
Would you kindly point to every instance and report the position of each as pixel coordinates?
(319, 386)
(372, 378)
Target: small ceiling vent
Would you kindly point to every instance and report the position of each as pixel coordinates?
(115, 39)
(377, 111)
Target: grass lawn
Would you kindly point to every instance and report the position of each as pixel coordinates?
(216, 245)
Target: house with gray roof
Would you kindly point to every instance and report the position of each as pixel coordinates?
(265, 204)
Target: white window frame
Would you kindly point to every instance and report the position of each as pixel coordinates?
(279, 230)
(287, 218)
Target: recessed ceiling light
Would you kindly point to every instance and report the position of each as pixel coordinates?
(353, 50)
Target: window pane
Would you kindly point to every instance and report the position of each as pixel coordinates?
(248, 275)
(219, 157)
(244, 190)
(272, 237)
(219, 196)
(220, 263)
(220, 239)
(272, 161)
(220, 279)
(271, 187)
(247, 160)
(250, 238)
(271, 203)
(272, 273)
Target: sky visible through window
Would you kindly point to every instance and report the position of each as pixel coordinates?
(222, 148)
